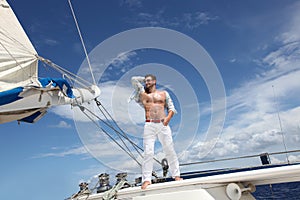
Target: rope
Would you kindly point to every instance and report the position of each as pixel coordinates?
(82, 42)
(112, 193)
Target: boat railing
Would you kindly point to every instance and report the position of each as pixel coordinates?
(262, 156)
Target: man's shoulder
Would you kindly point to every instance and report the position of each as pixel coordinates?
(161, 91)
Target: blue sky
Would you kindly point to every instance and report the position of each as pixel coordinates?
(254, 46)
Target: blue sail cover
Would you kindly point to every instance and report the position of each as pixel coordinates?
(30, 115)
(12, 95)
(34, 117)
(63, 85)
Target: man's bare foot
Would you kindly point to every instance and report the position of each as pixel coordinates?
(177, 178)
(145, 184)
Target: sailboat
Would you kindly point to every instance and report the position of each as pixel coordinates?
(24, 96)
(220, 184)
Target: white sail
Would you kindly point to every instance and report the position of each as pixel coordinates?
(18, 61)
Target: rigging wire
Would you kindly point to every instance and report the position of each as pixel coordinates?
(136, 147)
(116, 131)
(15, 41)
(75, 78)
(82, 42)
(11, 55)
(22, 47)
(121, 134)
(82, 108)
(281, 130)
(27, 50)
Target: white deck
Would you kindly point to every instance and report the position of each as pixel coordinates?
(210, 187)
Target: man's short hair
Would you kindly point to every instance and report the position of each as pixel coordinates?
(151, 75)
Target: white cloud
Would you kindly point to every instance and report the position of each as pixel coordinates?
(58, 152)
(131, 3)
(194, 20)
(252, 124)
(233, 60)
(255, 108)
(283, 60)
(292, 29)
(99, 150)
(149, 19)
(114, 97)
(62, 124)
(106, 67)
(293, 158)
(283, 158)
(51, 42)
(122, 58)
(64, 111)
(190, 21)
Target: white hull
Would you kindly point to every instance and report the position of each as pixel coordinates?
(211, 187)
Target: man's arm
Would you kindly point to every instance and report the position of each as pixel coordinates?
(169, 103)
(137, 83)
(168, 118)
(170, 107)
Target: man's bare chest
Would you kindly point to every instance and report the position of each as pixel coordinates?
(157, 98)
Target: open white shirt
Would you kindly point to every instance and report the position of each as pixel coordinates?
(137, 83)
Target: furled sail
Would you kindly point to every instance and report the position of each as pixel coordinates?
(23, 95)
(18, 58)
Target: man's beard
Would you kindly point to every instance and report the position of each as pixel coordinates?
(148, 88)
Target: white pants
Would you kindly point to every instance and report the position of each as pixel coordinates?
(164, 134)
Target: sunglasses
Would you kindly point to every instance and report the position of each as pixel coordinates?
(148, 80)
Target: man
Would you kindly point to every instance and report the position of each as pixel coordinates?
(156, 125)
